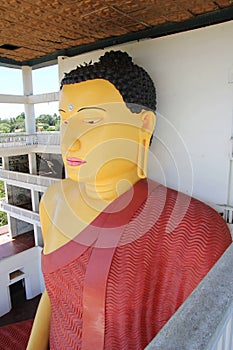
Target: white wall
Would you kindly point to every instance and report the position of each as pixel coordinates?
(193, 74)
(29, 263)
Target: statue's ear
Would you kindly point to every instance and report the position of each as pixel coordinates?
(148, 121)
(148, 124)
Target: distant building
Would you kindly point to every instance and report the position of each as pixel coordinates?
(30, 163)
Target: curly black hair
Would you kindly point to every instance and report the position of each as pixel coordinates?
(133, 82)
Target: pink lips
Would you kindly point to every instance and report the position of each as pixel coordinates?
(75, 161)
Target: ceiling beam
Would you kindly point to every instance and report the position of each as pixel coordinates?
(211, 18)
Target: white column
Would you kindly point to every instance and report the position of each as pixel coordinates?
(30, 122)
(35, 201)
(32, 163)
(34, 194)
(5, 165)
(36, 234)
(33, 171)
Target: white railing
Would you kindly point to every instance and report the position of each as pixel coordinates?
(49, 138)
(205, 320)
(18, 140)
(223, 337)
(23, 139)
(39, 183)
(227, 211)
(21, 214)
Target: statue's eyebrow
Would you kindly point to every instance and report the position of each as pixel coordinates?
(84, 108)
(61, 110)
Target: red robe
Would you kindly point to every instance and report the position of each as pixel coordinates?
(119, 281)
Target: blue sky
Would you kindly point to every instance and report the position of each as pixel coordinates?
(44, 80)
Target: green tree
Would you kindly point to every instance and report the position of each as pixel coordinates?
(57, 126)
(4, 128)
(21, 117)
(47, 122)
(12, 124)
(20, 122)
(46, 119)
(3, 216)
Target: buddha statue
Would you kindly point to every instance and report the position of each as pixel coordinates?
(121, 252)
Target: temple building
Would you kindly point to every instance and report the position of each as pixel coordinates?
(187, 49)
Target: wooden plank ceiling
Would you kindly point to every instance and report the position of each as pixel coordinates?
(33, 29)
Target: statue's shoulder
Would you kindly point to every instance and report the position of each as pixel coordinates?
(197, 214)
(56, 192)
(178, 204)
(52, 191)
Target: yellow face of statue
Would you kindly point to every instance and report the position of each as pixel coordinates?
(99, 134)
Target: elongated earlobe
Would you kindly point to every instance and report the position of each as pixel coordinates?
(148, 124)
(143, 148)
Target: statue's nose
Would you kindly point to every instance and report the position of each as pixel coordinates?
(75, 146)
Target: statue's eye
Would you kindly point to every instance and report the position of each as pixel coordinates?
(92, 120)
(91, 115)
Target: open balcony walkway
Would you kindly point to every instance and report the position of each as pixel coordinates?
(23, 139)
(9, 247)
(16, 144)
(36, 182)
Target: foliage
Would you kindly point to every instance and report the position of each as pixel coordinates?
(4, 127)
(45, 122)
(2, 191)
(3, 216)
(13, 124)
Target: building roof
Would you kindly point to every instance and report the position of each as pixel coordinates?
(33, 32)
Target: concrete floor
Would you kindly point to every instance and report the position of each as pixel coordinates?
(9, 247)
(23, 310)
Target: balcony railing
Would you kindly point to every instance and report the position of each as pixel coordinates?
(24, 140)
(205, 320)
(38, 183)
(227, 212)
(20, 213)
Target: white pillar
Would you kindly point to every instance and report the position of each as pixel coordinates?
(33, 171)
(5, 165)
(35, 201)
(30, 122)
(32, 163)
(34, 196)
